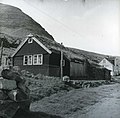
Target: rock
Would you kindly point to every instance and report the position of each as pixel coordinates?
(17, 95)
(66, 78)
(11, 75)
(24, 88)
(8, 108)
(3, 96)
(7, 84)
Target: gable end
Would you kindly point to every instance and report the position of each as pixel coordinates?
(38, 42)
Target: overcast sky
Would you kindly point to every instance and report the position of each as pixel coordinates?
(91, 25)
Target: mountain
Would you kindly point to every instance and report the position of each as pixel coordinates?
(16, 24)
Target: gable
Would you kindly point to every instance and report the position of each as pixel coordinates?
(31, 48)
(105, 62)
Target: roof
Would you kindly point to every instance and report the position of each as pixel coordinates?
(53, 45)
(111, 60)
(50, 45)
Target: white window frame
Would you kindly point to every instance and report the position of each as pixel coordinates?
(30, 40)
(28, 61)
(37, 55)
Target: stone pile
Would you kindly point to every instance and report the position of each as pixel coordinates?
(13, 93)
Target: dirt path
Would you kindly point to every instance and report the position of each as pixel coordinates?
(108, 107)
(99, 102)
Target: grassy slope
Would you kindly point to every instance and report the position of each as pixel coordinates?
(15, 23)
(96, 57)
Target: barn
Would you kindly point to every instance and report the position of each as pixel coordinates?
(39, 54)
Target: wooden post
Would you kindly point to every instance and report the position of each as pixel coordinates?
(61, 63)
(1, 53)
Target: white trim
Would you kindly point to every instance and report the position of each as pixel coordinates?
(24, 59)
(20, 46)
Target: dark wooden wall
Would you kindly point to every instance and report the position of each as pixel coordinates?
(31, 48)
(66, 68)
(78, 70)
(51, 64)
(97, 73)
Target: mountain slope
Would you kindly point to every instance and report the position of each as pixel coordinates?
(15, 23)
(89, 55)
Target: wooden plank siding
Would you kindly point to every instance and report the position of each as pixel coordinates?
(78, 70)
(31, 48)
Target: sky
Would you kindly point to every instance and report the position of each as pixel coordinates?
(91, 25)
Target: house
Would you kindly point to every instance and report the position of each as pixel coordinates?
(109, 63)
(38, 54)
(117, 66)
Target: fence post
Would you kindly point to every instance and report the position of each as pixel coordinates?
(61, 63)
(1, 53)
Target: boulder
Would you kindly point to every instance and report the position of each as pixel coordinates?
(7, 84)
(11, 75)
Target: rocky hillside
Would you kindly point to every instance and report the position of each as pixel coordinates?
(14, 23)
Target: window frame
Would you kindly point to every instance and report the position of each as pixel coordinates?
(41, 55)
(28, 61)
(30, 40)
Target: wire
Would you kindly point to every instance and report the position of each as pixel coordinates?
(55, 20)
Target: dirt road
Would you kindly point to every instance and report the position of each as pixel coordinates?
(99, 102)
(107, 107)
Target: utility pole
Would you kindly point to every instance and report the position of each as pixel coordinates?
(61, 63)
(1, 53)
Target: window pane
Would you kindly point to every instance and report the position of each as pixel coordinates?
(29, 60)
(39, 59)
(25, 60)
(35, 59)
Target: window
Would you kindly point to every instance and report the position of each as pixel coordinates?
(27, 60)
(37, 59)
(30, 40)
